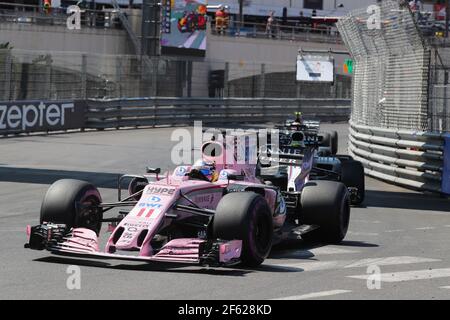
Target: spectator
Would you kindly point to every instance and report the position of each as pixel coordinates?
(303, 21)
(313, 22)
(222, 19)
(270, 24)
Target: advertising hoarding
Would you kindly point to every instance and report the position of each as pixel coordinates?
(315, 68)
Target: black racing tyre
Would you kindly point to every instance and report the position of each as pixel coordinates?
(334, 142)
(352, 175)
(73, 203)
(245, 216)
(326, 140)
(325, 204)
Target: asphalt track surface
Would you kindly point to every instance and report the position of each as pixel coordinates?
(403, 233)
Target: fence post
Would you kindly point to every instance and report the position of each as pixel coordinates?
(48, 77)
(119, 76)
(8, 71)
(154, 81)
(226, 89)
(298, 89)
(83, 76)
(262, 84)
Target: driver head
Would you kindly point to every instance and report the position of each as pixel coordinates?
(207, 168)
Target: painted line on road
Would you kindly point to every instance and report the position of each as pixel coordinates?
(363, 233)
(344, 264)
(426, 228)
(366, 221)
(409, 275)
(444, 287)
(395, 230)
(313, 295)
(327, 250)
(390, 261)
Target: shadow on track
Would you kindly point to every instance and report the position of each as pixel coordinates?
(235, 271)
(153, 267)
(298, 249)
(405, 200)
(48, 176)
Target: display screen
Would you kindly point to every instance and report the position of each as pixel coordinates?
(184, 27)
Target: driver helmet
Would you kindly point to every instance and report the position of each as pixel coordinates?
(207, 168)
(298, 119)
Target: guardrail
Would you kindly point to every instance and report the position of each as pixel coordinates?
(18, 117)
(410, 158)
(117, 113)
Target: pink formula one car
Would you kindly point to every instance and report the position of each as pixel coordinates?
(211, 213)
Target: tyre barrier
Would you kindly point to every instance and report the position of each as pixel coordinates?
(414, 159)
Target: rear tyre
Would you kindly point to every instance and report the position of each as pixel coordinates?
(73, 203)
(327, 205)
(326, 140)
(334, 142)
(245, 216)
(352, 175)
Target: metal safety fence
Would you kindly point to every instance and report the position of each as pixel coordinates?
(391, 67)
(410, 158)
(26, 75)
(17, 117)
(400, 98)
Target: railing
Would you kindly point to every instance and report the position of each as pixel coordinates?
(413, 159)
(278, 31)
(116, 113)
(32, 14)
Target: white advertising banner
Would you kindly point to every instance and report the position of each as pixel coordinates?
(315, 68)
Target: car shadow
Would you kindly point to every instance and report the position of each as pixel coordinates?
(299, 249)
(153, 267)
(48, 176)
(293, 250)
(405, 200)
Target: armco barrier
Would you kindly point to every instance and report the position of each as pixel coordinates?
(117, 113)
(409, 158)
(44, 116)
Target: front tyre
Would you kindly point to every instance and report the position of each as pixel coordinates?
(73, 203)
(352, 175)
(245, 216)
(327, 205)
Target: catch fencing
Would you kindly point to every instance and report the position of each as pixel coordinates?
(400, 98)
(30, 75)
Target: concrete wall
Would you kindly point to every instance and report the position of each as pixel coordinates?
(244, 53)
(59, 38)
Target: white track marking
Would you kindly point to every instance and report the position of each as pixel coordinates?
(425, 228)
(395, 230)
(315, 295)
(363, 233)
(328, 250)
(343, 264)
(410, 275)
(389, 261)
(365, 221)
(445, 287)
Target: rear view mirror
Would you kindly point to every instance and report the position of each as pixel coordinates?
(153, 170)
